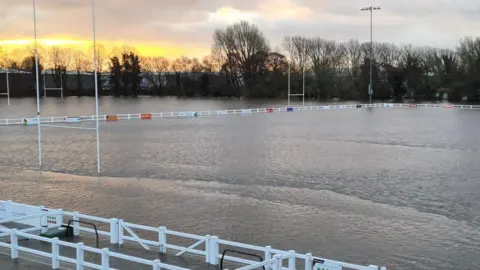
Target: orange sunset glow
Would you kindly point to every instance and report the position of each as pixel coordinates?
(19, 47)
(185, 27)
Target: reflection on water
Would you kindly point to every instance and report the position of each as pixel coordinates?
(394, 186)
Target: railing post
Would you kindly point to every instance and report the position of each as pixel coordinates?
(213, 250)
(308, 261)
(268, 255)
(105, 259)
(114, 231)
(43, 220)
(79, 256)
(14, 244)
(291, 260)
(156, 264)
(60, 217)
(120, 232)
(76, 225)
(277, 265)
(207, 248)
(162, 239)
(55, 254)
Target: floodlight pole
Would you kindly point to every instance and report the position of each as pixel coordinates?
(288, 83)
(370, 85)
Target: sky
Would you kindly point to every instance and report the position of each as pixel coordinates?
(184, 27)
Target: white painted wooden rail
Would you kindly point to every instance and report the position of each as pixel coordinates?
(31, 120)
(116, 234)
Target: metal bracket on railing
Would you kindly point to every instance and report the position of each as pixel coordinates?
(83, 222)
(239, 252)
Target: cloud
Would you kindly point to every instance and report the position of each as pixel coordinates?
(190, 23)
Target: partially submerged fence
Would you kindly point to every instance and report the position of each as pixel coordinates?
(184, 114)
(118, 231)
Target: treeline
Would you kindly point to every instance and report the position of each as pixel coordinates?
(243, 64)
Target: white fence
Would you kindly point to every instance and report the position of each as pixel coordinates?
(185, 114)
(80, 248)
(119, 232)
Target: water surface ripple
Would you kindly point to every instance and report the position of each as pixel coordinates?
(393, 186)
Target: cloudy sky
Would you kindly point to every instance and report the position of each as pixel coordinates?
(184, 27)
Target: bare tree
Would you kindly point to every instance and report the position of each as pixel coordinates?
(469, 53)
(3, 58)
(297, 49)
(328, 60)
(354, 55)
(29, 50)
(210, 65)
(326, 54)
(240, 43)
(155, 70)
(101, 57)
(387, 53)
(354, 60)
(80, 61)
(225, 63)
(59, 61)
(14, 58)
(277, 63)
(80, 64)
(196, 66)
(181, 66)
(412, 63)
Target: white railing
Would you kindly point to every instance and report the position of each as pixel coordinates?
(180, 114)
(80, 248)
(111, 223)
(269, 253)
(161, 241)
(274, 264)
(120, 231)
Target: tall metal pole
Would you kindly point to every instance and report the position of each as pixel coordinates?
(95, 68)
(45, 84)
(8, 88)
(370, 85)
(370, 88)
(61, 84)
(303, 91)
(7, 74)
(288, 83)
(39, 130)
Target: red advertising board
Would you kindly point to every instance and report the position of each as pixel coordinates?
(146, 116)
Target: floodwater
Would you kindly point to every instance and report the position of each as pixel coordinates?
(393, 187)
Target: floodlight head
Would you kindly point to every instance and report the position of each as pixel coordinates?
(376, 8)
(366, 8)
